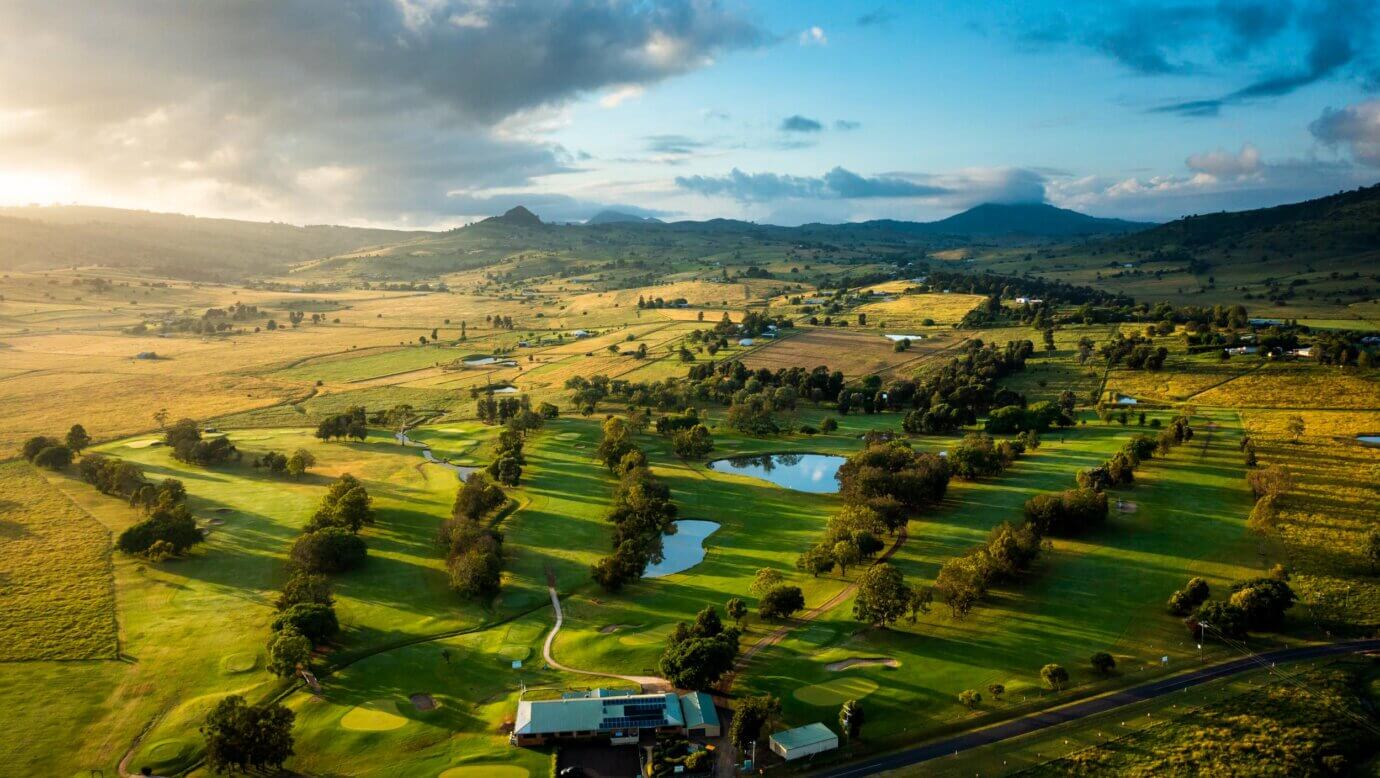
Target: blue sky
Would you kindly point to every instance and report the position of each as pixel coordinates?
(435, 112)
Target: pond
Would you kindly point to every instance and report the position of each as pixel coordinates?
(801, 472)
(683, 550)
(1369, 440)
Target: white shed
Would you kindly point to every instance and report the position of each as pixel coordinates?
(804, 741)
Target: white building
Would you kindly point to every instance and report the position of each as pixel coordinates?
(804, 741)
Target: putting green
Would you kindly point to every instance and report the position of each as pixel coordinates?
(835, 692)
(486, 770)
(525, 633)
(243, 662)
(646, 637)
(373, 716)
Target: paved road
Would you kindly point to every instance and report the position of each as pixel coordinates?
(1092, 707)
(649, 683)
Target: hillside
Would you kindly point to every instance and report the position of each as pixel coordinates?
(1313, 258)
(1033, 219)
(1346, 221)
(33, 238)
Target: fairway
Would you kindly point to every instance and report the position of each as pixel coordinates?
(835, 692)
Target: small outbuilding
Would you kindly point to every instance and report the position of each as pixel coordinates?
(804, 741)
(745, 342)
(700, 717)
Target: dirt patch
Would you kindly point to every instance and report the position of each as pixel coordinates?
(859, 661)
(1126, 506)
(609, 629)
(422, 701)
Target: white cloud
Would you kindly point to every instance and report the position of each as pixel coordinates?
(623, 93)
(814, 36)
(251, 109)
(1221, 164)
(1355, 126)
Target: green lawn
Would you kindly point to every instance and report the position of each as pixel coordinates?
(1102, 591)
(371, 364)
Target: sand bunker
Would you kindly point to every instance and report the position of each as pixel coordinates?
(859, 661)
(215, 522)
(422, 701)
(373, 716)
(144, 443)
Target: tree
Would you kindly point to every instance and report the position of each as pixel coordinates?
(750, 720)
(247, 737)
(1295, 426)
(736, 610)
(1054, 676)
(693, 443)
(830, 424)
(616, 443)
(845, 553)
(996, 690)
(34, 445)
(288, 650)
(851, 719)
(328, 550)
(970, 698)
(302, 588)
(1263, 602)
(781, 602)
(300, 461)
(883, 596)
(1102, 662)
(1264, 515)
(477, 497)
(54, 457)
(695, 661)
(1373, 550)
(962, 582)
(1215, 616)
(173, 524)
(815, 560)
(77, 439)
(765, 580)
(315, 621)
(1272, 480)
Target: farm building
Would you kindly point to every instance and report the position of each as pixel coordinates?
(620, 716)
(804, 741)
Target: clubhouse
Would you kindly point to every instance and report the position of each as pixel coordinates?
(620, 716)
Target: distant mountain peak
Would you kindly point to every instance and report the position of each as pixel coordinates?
(612, 216)
(518, 216)
(1030, 219)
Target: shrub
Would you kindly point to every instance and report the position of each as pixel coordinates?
(54, 457)
(173, 525)
(1066, 513)
(970, 698)
(1102, 662)
(1054, 676)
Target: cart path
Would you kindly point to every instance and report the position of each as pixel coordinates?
(1079, 710)
(648, 683)
(777, 635)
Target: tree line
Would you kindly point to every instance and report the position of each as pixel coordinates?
(641, 510)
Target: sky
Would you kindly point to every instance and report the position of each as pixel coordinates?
(433, 113)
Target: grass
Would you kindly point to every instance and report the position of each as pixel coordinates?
(1101, 591)
(56, 589)
(908, 313)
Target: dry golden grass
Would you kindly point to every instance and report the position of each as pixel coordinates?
(1297, 385)
(56, 590)
(1326, 517)
(855, 352)
(910, 311)
(696, 292)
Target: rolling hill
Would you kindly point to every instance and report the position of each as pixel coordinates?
(36, 238)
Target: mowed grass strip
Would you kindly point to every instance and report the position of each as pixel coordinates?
(56, 589)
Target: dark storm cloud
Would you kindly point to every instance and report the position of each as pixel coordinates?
(1337, 39)
(1356, 127)
(406, 99)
